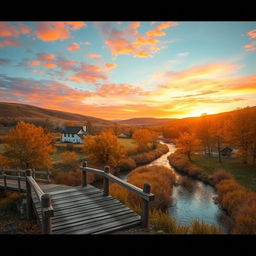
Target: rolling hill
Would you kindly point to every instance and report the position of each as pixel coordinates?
(147, 121)
(17, 111)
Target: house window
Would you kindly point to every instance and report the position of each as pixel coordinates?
(72, 135)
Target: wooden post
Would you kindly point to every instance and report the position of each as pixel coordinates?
(48, 176)
(145, 206)
(5, 181)
(19, 180)
(106, 182)
(33, 174)
(29, 196)
(46, 216)
(84, 174)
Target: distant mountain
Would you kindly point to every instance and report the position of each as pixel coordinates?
(146, 121)
(19, 111)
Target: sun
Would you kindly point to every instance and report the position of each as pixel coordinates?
(201, 112)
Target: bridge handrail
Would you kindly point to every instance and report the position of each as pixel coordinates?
(44, 199)
(143, 193)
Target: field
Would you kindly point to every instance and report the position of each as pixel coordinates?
(128, 143)
(244, 174)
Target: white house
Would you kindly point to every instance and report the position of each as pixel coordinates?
(73, 134)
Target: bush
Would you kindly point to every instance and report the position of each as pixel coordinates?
(71, 178)
(161, 180)
(8, 202)
(69, 159)
(198, 227)
(220, 175)
(127, 164)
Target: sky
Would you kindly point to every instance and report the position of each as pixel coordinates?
(121, 70)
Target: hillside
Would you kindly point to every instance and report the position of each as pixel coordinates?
(146, 121)
(17, 111)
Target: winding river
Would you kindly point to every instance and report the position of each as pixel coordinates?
(191, 199)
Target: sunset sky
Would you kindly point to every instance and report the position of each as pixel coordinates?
(121, 70)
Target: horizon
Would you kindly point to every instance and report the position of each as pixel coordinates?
(124, 70)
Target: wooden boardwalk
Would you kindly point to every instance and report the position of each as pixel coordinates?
(77, 210)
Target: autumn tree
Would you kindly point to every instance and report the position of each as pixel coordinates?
(104, 148)
(143, 137)
(204, 133)
(69, 159)
(239, 132)
(29, 146)
(187, 143)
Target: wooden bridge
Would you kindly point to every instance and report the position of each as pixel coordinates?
(83, 209)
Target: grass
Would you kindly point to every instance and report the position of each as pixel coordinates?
(243, 174)
(56, 157)
(1, 148)
(128, 143)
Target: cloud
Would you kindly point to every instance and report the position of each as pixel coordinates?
(251, 46)
(50, 65)
(8, 30)
(252, 33)
(35, 63)
(111, 65)
(53, 31)
(46, 56)
(129, 41)
(4, 62)
(9, 42)
(158, 31)
(73, 47)
(93, 56)
(183, 54)
(86, 43)
(89, 74)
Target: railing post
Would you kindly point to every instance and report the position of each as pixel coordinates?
(145, 206)
(33, 174)
(106, 182)
(29, 196)
(46, 219)
(84, 174)
(18, 171)
(48, 176)
(5, 181)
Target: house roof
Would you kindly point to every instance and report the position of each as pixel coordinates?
(227, 149)
(72, 129)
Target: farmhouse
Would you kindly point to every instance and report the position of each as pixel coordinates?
(226, 151)
(73, 134)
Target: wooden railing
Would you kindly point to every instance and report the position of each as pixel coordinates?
(44, 199)
(31, 184)
(143, 193)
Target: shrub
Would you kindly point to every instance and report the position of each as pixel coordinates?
(161, 180)
(119, 192)
(71, 178)
(198, 227)
(69, 159)
(220, 175)
(127, 164)
(8, 202)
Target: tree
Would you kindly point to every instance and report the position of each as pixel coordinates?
(187, 144)
(104, 148)
(90, 128)
(29, 146)
(143, 137)
(69, 159)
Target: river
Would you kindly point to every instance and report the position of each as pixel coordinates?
(191, 199)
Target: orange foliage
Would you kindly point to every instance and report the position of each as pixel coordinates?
(220, 175)
(72, 178)
(4, 162)
(69, 159)
(143, 137)
(161, 180)
(104, 148)
(29, 146)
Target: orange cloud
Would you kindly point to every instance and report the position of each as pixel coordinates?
(129, 42)
(50, 65)
(251, 46)
(46, 57)
(93, 56)
(7, 30)
(110, 65)
(158, 30)
(53, 31)
(252, 33)
(35, 63)
(73, 47)
(89, 74)
(9, 43)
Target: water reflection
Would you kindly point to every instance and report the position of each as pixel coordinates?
(191, 199)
